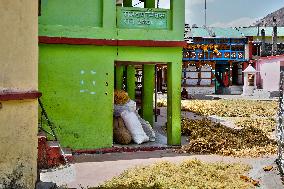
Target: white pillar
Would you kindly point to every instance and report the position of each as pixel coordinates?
(245, 80)
(254, 80)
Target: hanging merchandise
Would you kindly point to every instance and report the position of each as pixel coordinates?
(211, 47)
(205, 48)
(215, 51)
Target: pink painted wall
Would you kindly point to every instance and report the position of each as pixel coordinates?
(268, 75)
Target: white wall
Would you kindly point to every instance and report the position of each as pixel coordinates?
(270, 75)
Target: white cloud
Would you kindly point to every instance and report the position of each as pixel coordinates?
(240, 22)
(198, 2)
(162, 4)
(166, 4)
(190, 8)
(188, 12)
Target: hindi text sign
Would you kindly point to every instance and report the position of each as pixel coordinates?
(143, 19)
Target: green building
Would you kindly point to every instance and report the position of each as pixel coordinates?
(84, 46)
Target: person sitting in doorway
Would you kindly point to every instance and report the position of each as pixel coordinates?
(184, 94)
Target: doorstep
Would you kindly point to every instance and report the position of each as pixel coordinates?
(120, 149)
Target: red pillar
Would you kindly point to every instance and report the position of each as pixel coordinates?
(250, 47)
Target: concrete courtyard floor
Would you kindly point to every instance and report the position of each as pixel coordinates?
(93, 170)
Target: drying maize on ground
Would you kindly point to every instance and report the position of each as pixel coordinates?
(231, 108)
(267, 125)
(162, 102)
(189, 174)
(206, 137)
(120, 97)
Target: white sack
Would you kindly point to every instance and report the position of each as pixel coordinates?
(147, 128)
(129, 106)
(134, 126)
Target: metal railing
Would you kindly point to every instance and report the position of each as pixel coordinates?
(44, 118)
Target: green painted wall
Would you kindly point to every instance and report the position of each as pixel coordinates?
(82, 19)
(149, 54)
(78, 115)
(131, 81)
(150, 4)
(127, 3)
(72, 12)
(147, 92)
(119, 70)
(102, 27)
(65, 71)
(174, 103)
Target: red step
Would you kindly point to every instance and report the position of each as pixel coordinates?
(42, 155)
(68, 154)
(54, 155)
(49, 153)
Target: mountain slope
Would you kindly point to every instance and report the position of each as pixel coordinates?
(268, 20)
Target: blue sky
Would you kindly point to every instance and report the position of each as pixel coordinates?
(226, 13)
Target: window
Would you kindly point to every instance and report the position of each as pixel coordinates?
(163, 4)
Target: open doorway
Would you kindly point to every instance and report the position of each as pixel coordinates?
(143, 82)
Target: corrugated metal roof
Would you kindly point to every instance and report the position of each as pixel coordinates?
(231, 32)
(227, 32)
(253, 31)
(199, 32)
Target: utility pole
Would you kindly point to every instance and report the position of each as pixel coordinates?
(274, 37)
(205, 11)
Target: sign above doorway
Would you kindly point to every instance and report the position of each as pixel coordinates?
(135, 18)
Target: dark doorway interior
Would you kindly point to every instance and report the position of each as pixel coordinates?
(222, 77)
